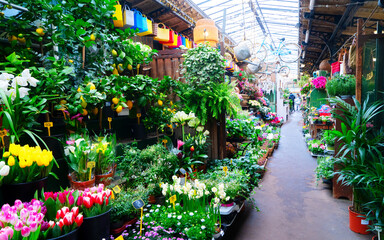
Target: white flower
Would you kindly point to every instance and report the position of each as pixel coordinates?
(6, 77)
(178, 224)
(206, 133)
(151, 211)
(227, 198)
(200, 129)
(258, 127)
(2, 164)
(169, 215)
(202, 220)
(158, 205)
(31, 80)
(147, 215)
(4, 86)
(23, 92)
(221, 186)
(164, 192)
(78, 141)
(206, 192)
(202, 227)
(214, 189)
(20, 81)
(179, 217)
(191, 214)
(68, 150)
(171, 187)
(174, 178)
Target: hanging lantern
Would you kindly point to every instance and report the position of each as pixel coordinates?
(206, 31)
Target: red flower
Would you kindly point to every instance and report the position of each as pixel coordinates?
(243, 78)
(68, 219)
(60, 223)
(87, 201)
(79, 220)
(75, 211)
(51, 224)
(65, 210)
(59, 214)
(240, 74)
(48, 195)
(192, 149)
(80, 201)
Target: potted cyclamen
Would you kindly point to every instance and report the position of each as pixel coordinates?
(79, 155)
(104, 157)
(28, 170)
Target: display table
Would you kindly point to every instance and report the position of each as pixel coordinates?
(314, 127)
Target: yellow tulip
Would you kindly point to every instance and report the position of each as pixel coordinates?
(14, 149)
(6, 154)
(11, 161)
(22, 164)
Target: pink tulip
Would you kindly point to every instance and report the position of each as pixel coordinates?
(71, 199)
(62, 198)
(108, 193)
(100, 188)
(70, 142)
(33, 226)
(18, 204)
(25, 231)
(99, 199)
(5, 207)
(79, 201)
(3, 236)
(18, 226)
(68, 219)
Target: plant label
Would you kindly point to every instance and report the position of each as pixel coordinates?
(225, 169)
(119, 237)
(182, 170)
(138, 115)
(3, 133)
(90, 165)
(172, 200)
(116, 189)
(364, 222)
(109, 122)
(48, 125)
(139, 203)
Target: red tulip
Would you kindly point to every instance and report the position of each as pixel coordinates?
(240, 74)
(65, 210)
(108, 193)
(68, 219)
(80, 201)
(99, 199)
(60, 223)
(59, 214)
(75, 211)
(48, 195)
(51, 224)
(106, 201)
(241, 69)
(87, 201)
(192, 149)
(79, 220)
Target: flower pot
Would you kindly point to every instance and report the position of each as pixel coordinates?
(356, 223)
(96, 227)
(228, 204)
(345, 96)
(106, 179)
(124, 225)
(74, 235)
(22, 191)
(152, 199)
(81, 185)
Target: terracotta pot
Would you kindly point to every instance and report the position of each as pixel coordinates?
(106, 179)
(356, 223)
(152, 199)
(81, 185)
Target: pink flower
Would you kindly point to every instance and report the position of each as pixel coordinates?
(70, 142)
(60, 223)
(179, 144)
(18, 226)
(99, 199)
(25, 231)
(51, 224)
(62, 198)
(319, 82)
(71, 199)
(65, 210)
(100, 188)
(59, 214)
(79, 201)
(322, 146)
(33, 226)
(88, 203)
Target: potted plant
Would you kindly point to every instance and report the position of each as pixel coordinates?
(78, 154)
(104, 155)
(341, 85)
(360, 144)
(28, 170)
(316, 147)
(329, 139)
(324, 169)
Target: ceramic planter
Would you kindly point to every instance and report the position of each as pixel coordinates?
(357, 223)
(97, 227)
(22, 191)
(74, 235)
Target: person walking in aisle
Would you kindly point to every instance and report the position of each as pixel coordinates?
(292, 97)
(298, 102)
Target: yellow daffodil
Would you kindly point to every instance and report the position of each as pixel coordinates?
(11, 161)
(6, 154)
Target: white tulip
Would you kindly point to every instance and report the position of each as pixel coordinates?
(4, 171)
(2, 164)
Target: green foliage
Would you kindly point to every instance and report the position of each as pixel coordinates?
(303, 80)
(329, 138)
(324, 168)
(341, 85)
(202, 65)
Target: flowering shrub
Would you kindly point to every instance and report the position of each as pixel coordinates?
(27, 164)
(319, 82)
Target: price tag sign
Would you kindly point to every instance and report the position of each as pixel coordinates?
(172, 200)
(109, 122)
(48, 125)
(119, 237)
(90, 165)
(182, 170)
(364, 222)
(116, 189)
(139, 204)
(138, 118)
(225, 169)
(231, 161)
(3, 133)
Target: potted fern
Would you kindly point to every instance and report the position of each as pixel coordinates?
(341, 85)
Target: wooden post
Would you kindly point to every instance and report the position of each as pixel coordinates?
(222, 132)
(359, 59)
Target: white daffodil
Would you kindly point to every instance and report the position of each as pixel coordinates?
(27, 76)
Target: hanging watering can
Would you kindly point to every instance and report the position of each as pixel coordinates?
(253, 67)
(242, 51)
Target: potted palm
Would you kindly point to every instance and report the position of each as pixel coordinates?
(360, 145)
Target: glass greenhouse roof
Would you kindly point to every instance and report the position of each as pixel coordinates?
(256, 19)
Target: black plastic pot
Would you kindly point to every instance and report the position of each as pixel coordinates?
(95, 228)
(139, 132)
(21, 191)
(74, 235)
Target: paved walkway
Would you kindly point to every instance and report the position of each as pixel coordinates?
(292, 206)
